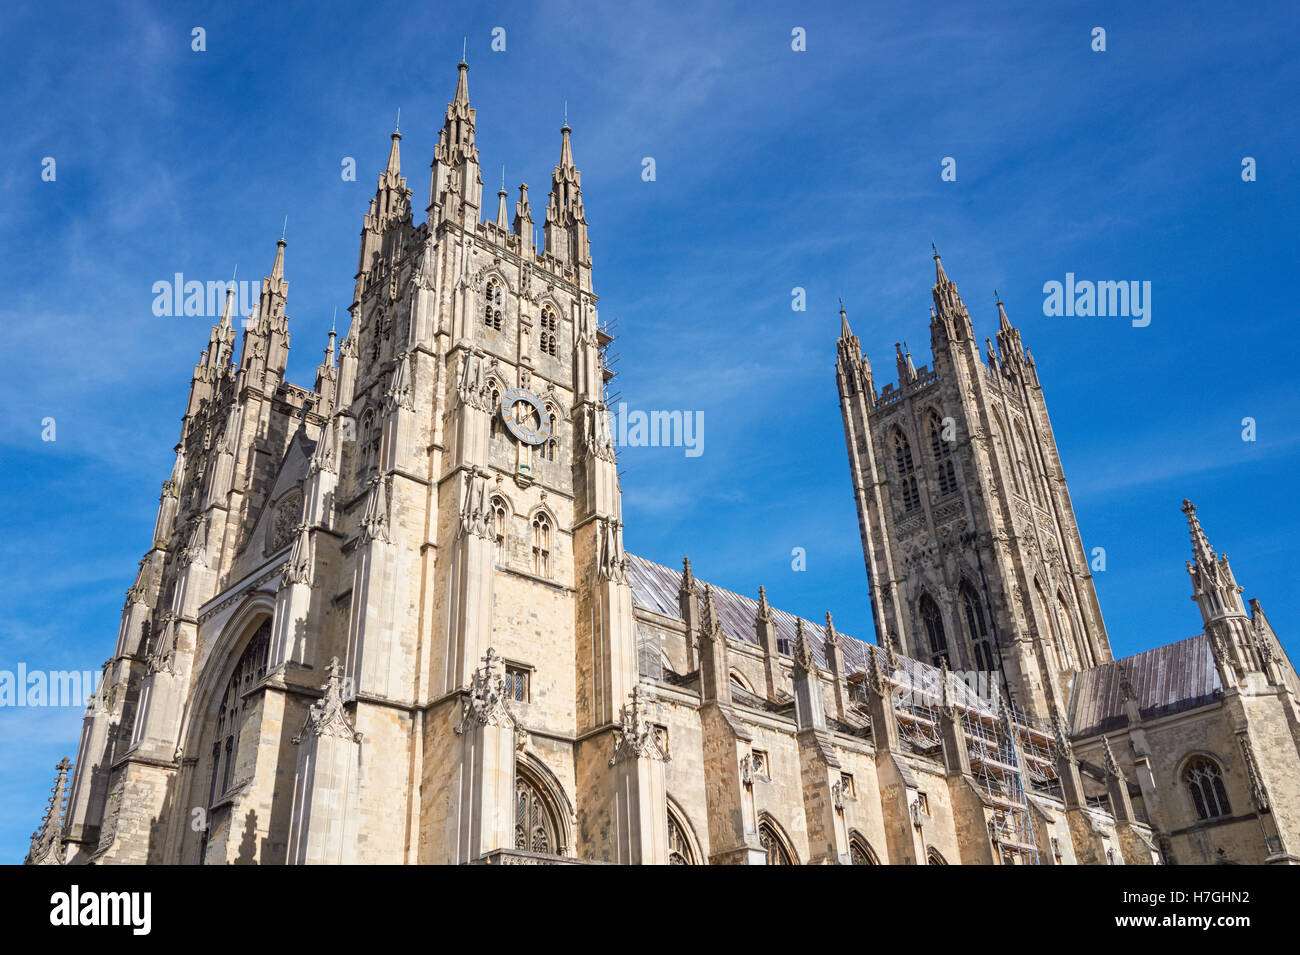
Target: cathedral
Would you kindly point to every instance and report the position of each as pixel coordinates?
(390, 618)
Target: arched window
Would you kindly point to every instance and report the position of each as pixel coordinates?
(681, 849)
(976, 630)
(941, 451)
(738, 679)
(933, 623)
(495, 302)
(1069, 632)
(249, 669)
(932, 857)
(1054, 623)
(500, 513)
(494, 429)
(905, 467)
(535, 828)
(1205, 783)
(774, 844)
(1022, 463)
(542, 544)
(860, 851)
(549, 340)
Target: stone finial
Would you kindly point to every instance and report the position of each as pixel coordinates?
(47, 841)
(327, 718)
(1064, 749)
(487, 702)
(1108, 758)
(709, 625)
(764, 613)
(688, 585)
(636, 737)
(804, 661)
(832, 638)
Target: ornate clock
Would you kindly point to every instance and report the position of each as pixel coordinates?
(524, 416)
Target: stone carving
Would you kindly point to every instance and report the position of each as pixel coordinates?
(472, 388)
(327, 718)
(47, 841)
(597, 438)
(636, 737)
(486, 703)
(196, 551)
(399, 390)
(804, 661)
(374, 519)
(475, 505)
(611, 558)
(297, 569)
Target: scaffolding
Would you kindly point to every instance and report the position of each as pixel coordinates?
(918, 720)
(996, 765)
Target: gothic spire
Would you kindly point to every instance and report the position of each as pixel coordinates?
(950, 312)
(764, 612)
(566, 219)
(1009, 343)
(1201, 548)
(47, 840)
(277, 267)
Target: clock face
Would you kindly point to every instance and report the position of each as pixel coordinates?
(524, 416)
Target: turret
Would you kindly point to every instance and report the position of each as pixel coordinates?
(455, 193)
(566, 219)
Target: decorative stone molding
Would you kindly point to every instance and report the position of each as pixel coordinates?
(804, 661)
(398, 394)
(327, 718)
(475, 504)
(1258, 792)
(374, 519)
(297, 569)
(636, 737)
(47, 841)
(486, 702)
(611, 558)
(472, 387)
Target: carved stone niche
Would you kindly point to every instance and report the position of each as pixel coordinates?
(284, 520)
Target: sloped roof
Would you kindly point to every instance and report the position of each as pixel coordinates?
(655, 588)
(1168, 679)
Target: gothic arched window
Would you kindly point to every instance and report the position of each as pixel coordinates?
(933, 622)
(906, 467)
(932, 857)
(1022, 463)
(542, 544)
(535, 829)
(860, 852)
(249, 669)
(941, 450)
(496, 299)
(500, 513)
(1069, 632)
(549, 339)
(774, 845)
(680, 849)
(1205, 783)
(976, 630)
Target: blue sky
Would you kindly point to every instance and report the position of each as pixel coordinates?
(774, 169)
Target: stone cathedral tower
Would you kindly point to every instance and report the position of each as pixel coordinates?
(972, 550)
(415, 553)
